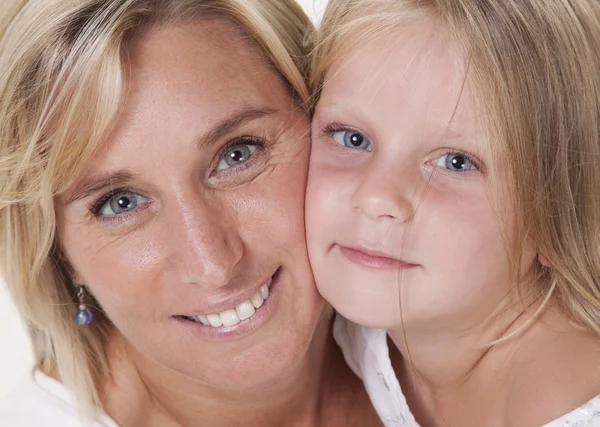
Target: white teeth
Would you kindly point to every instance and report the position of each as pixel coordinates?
(229, 317)
(245, 310)
(233, 316)
(203, 319)
(215, 320)
(264, 291)
(256, 300)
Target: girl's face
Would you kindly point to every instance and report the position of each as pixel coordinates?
(398, 205)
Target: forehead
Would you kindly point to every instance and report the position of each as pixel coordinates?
(182, 80)
(206, 60)
(414, 69)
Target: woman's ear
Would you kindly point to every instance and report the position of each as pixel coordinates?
(77, 279)
(543, 260)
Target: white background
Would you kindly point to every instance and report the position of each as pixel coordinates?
(15, 354)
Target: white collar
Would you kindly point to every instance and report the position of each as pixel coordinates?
(366, 352)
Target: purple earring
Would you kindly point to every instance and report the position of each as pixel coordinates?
(83, 315)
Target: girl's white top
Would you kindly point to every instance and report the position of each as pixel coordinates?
(42, 401)
(366, 351)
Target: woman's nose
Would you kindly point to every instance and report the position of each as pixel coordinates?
(206, 243)
(383, 193)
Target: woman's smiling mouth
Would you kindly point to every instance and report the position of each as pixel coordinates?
(235, 317)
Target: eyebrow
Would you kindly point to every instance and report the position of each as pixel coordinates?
(122, 177)
(99, 182)
(448, 134)
(231, 123)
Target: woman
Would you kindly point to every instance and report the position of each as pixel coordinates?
(154, 160)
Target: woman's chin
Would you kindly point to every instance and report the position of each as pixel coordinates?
(259, 353)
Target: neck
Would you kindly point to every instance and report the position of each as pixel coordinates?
(443, 373)
(163, 397)
(463, 348)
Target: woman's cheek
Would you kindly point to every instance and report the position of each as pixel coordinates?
(120, 272)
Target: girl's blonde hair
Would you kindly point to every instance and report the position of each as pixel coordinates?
(535, 66)
(61, 83)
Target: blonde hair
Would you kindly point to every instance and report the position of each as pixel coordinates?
(61, 84)
(535, 66)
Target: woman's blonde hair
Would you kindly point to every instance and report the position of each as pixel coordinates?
(535, 67)
(61, 83)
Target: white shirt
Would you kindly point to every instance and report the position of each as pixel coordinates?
(44, 402)
(366, 352)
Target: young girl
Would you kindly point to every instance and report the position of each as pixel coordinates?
(453, 206)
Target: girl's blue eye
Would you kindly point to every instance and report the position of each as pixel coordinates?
(455, 162)
(122, 203)
(236, 156)
(352, 139)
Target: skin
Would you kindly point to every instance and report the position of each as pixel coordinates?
(196, 231)
(399, 192)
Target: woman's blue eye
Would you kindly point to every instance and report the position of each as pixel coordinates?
(352, 139)
(121, 203)
(237, 155)
(455, 162)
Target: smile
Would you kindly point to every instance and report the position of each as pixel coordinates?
(374, 260)
(234, 315)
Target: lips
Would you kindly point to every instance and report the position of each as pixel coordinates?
(234, 315)
(230, 313)
(375, 260)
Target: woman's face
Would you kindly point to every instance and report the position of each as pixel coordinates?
(193, 212)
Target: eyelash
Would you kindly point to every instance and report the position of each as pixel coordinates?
(97, 206)
(334, 127)
(330, 129)
(469, 157)
(260, 142)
